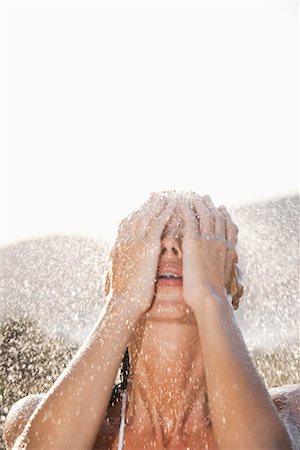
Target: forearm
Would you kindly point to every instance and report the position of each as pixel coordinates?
(73, 410)
(243, 415)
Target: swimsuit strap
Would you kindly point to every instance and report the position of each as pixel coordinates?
(122, 426)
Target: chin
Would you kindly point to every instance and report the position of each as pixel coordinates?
(169, 305)
(169, 294)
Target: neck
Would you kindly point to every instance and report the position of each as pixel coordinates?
(166, 388)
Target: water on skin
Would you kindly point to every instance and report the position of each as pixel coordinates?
(50, 290)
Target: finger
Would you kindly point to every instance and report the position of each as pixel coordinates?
(136, 223)
(135, 217)
(220, 226)
(191, 222)
(150, 210)
(219, 218)
(208, 202)
(231, 228)
(223, 211)
(148, 205)
(175, 225)
(206, 218)
(157, 204)
(232, 232)
(157, 225)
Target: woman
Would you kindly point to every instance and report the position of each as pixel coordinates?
(171, 288)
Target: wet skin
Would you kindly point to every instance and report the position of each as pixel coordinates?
(170, 344)
(169, 316)
(166, 390)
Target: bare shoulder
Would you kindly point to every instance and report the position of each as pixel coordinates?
(287, 401)
(18, 417)
(22, 410)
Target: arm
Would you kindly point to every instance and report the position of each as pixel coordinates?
(70, 415)
(79, 398)
(242, 411)
(243, 415)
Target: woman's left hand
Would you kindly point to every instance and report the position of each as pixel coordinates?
(208, 245)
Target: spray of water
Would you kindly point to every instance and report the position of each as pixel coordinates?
(51, 291)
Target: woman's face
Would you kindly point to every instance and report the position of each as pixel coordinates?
(169, 303)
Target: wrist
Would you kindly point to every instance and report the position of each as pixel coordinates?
(125, 307)
(208, 299)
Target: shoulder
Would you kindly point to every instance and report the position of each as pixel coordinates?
(287, 401)
(22, 410)
(18, 417)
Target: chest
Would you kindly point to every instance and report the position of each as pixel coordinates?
(132, 441)
(137, 437)
(108, 439)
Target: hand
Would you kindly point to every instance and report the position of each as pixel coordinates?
(208, 251)
(135, 255)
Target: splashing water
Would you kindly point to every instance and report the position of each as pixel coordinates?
(269, 312)
(51, 291)
(269, 249)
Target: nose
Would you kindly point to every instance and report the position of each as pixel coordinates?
(170, 249)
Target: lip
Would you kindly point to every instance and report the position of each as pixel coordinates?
(170, 268)
(169, 283)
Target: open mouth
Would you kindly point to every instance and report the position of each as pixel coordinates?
(168, 276)
(169, 280)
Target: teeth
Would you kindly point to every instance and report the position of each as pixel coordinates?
(168, 275)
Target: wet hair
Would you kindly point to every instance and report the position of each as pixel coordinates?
(124, 373)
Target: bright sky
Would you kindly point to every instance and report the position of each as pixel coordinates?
(104, 102)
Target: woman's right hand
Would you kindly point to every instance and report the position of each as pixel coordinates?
(135, 254)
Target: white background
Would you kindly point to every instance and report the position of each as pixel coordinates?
(103, 102)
